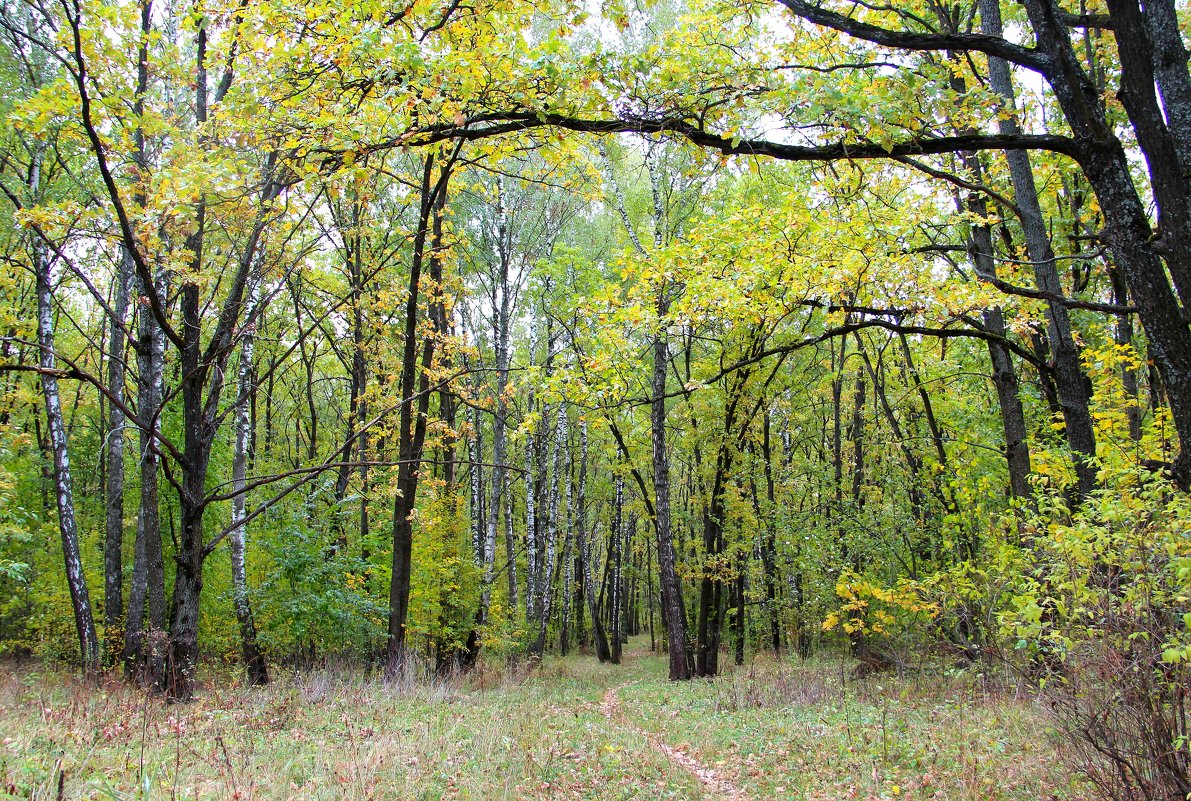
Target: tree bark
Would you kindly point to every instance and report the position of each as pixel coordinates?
(148, 572)
(599, 638)
(769, 547)
(80, 598)
(254, 659)
(113, 547)
(673, 611)
(568, 560)
(499, 421)
(1004, 374)
(415, 401)
(1068, 374)
(545, 588)
(532, 558)
(615, 559)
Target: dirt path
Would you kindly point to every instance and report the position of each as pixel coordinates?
(711, 781)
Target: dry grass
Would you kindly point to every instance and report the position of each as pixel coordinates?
(504, 733)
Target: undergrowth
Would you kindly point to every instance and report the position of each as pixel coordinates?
(772, 730)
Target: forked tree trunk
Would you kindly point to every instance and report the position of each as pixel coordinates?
(415, 404)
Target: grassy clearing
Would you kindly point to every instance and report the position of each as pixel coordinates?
(573, 729)
(806, 731)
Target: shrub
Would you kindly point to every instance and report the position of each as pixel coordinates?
(1103, 622)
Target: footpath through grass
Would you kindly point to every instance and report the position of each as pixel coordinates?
(573, 729)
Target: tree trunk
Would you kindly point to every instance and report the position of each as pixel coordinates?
(499, 421)
(769, 547)
(1127, 229)
(545, 587)
(147, 409)
(475, 455)
(510, 550)
(412, 423)
(254, 659)
(1004, 375)
(67, 525)
(738, 587)
(1068, 374)
(856, 434)
(568, 560)
(1123, 336)
(144, 651)
(673, 612)
(532, 557)
(615, 539)
(599, 638)
(113, 548)
(355, 436)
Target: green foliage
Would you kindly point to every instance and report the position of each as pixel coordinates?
(445, 584)
(308, 597)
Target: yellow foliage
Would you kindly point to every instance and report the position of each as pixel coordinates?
(868, 608)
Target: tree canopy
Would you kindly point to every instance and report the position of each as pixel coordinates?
(435, 331)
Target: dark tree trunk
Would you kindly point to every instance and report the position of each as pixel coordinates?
(355, 436)
(1070, 381)
(415, 401)
(147, 565)
(857, 436)
(1127, 230)
(614, 566)
(1004, 375)
(113, 548)
(673, 613)
(738, 592)
(769, 548)
(1123, 336)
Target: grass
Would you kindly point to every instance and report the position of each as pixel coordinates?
(573, 729)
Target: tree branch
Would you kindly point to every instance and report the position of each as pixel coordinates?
(909, 40)
(483, 126)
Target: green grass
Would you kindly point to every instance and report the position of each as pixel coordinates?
(767, 730)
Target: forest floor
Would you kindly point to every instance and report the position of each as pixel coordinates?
(571, 729)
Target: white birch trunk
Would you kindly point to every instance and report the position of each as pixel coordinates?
(547, 597)
(499, 451)
(531, 571)
(67, 524)
(254, 661)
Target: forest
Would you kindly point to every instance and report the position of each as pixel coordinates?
(378, 355)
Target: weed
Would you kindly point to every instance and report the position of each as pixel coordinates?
(517, 731)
